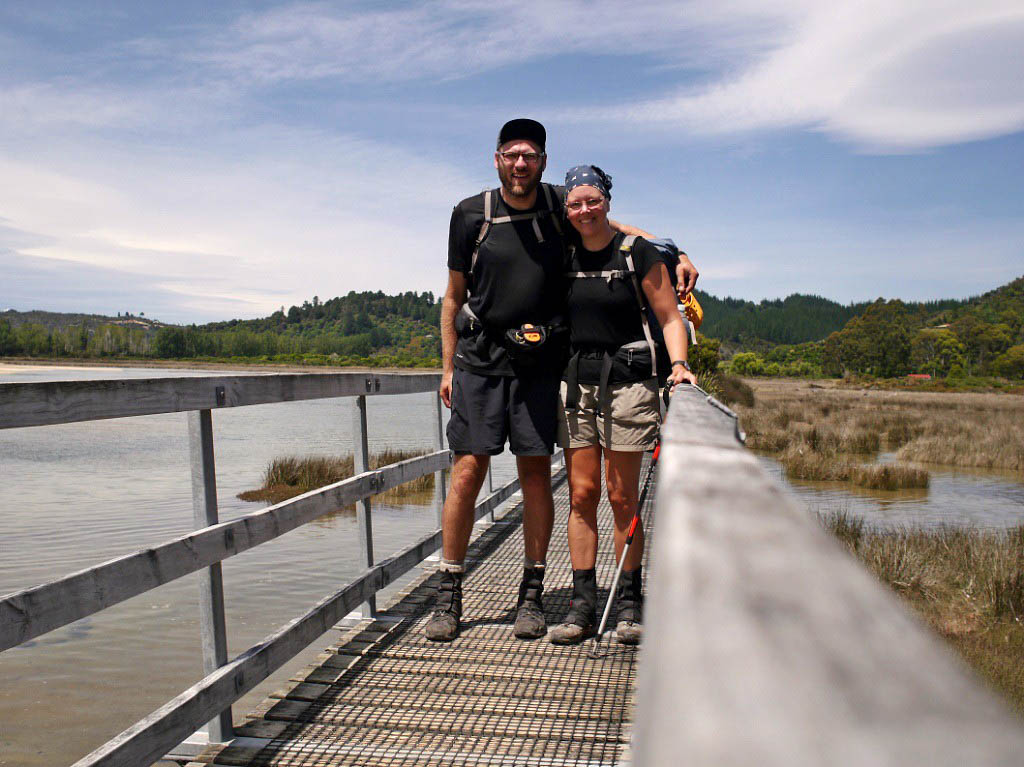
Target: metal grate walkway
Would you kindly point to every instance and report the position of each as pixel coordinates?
(387, 696)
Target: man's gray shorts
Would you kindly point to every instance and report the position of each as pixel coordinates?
(488, 410)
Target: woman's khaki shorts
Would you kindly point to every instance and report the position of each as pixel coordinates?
(633, 425)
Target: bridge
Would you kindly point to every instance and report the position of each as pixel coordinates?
(765, 642)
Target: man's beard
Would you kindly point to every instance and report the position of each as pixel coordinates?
(518, 187)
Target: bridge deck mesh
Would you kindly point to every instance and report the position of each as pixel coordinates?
(387, 696)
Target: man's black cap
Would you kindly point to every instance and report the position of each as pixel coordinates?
(523, 129)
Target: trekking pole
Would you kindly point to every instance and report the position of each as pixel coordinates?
(595, 645)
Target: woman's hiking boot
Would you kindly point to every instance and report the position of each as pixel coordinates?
(530, 622)
(630, 601)
(581, 620)
(443, 623)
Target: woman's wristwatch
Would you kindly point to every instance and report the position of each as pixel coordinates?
(684, 363)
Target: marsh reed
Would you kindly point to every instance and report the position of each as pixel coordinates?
(967, 584)
(289, 476)
(834, 434)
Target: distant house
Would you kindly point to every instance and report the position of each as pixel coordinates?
(919, 377)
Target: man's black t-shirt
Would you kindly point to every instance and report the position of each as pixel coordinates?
(518, 278)
(603, 314)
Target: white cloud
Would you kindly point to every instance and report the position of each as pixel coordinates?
(885, 75)
(462, 38)
(166, 163)
(267, 218)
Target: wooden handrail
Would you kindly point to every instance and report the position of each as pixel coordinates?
(767, 644)
(27, 614)
(48, 403)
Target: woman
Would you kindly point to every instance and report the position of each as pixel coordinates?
(610, 393)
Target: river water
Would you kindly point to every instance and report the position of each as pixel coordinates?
(75, 495)
(958, 497)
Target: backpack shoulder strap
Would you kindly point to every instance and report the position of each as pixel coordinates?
(554, 210)
(626, 251)
(484, 228)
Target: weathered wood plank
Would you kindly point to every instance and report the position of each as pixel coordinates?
(768, 644)
(364, 511)
(40, 404)
(155, 735)
(35, 611)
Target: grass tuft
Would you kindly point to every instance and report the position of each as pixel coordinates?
(889, 476)
(736, 392)
(849, 529)
(710, 382)
(289, 476)
(967, 584)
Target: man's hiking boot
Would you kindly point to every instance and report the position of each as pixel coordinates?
(530, 622)
(581, 620)
(630, 602)
(443, 623)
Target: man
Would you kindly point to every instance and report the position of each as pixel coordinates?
(505, 270)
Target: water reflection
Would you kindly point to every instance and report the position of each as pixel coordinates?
(982, 498)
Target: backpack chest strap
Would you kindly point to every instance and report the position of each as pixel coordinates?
(532, 217)
(606, 274)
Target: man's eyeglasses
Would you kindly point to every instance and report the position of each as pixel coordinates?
(593, 202)
(512, 158)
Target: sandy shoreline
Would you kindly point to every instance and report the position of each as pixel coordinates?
(14, 364)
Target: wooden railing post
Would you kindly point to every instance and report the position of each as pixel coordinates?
(361, 459)
(212, 624)
(439, 477)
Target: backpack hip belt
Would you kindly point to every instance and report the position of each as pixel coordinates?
(525, 343)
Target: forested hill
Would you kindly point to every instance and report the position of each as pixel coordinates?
(982, 336)
(403, 328)
(368, 328)
(59, 320)
(372, 328)
(792, 320)
(347, 315)
(1004, 305)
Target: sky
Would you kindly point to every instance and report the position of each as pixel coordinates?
(201, 161)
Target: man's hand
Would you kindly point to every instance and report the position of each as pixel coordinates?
(686, 274)
(446, 389)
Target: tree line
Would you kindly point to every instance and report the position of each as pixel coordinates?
(368, 328)
(978, 336)
(983, 336)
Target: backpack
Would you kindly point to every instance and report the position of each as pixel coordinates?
(652, 350)
(531, 344)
